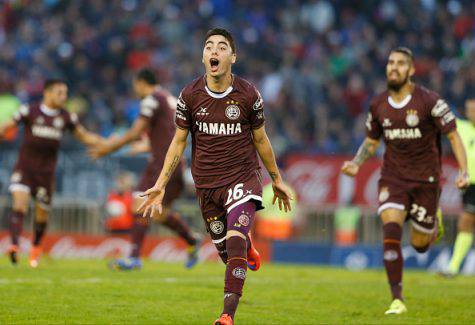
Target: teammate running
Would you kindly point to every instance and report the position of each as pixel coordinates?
(33, 175)
(411, 120)
(157, 111)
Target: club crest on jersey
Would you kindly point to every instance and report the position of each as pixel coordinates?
(58, 122)
(40, 120)
(412, 119)
(244, 220)
(232, 111)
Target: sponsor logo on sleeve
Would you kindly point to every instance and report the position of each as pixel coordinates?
(181, 103)
(258, 103)
(440, 108)
(147, 105)
(368, 121)
(383, 194)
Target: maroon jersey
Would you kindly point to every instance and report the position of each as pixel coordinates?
(411, 131)
(221, 129)
(159, 110)
(44, 129)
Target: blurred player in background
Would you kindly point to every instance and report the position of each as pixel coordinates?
(411, 120)
(463, 242)
(224, 114)
(157, 111)
(33, 175)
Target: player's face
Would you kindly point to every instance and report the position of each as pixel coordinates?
(218, 56)
(139, 88)
(57, 95)
(399, 70)
(470, 110)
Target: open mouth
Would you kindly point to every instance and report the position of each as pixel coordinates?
(214, 64)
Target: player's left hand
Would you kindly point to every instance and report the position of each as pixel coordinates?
(282, 195)
(462, 181)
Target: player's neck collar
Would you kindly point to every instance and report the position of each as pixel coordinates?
(49, 111)
(401, 104)
(219, 95)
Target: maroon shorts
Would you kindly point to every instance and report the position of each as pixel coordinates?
(39, 185)
(174, 186)
(420, 200)
(216, 203)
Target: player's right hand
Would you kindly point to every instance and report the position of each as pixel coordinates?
(350, 168)
(153, 202)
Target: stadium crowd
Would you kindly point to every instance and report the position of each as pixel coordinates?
(316, 62)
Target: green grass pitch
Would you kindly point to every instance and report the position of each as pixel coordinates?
(86, 292)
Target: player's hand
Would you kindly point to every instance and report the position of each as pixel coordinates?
(282, 195)
(99, 149)
(153, 202)
(350, 168)
(462, 181)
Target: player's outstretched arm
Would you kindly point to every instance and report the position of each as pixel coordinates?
(5, 126)
(263, 146)
(154, 195)
(367, 149)
(86, 137)
(103, 148)
(140, 146)
(458, 149)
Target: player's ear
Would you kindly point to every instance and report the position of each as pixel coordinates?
(412, 70)
(233, 58)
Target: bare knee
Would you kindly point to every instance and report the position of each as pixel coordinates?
(421, 242)
(21, 202)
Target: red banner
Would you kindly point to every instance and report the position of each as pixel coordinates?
(318, 181)
(169, 249)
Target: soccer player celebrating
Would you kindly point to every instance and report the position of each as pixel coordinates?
(33, 175)
(157, 111)
(464, 239)
(411, 119)
(224, 114)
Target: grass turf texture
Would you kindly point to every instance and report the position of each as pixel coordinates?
(70, 291)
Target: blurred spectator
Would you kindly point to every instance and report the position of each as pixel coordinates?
(317, 62)
(118, 207)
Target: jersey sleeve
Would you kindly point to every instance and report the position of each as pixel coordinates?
(22, 115)
(442, 115)
(72, 122)
(183, 114)
(148, 107)
(257, 117)
(374, 130)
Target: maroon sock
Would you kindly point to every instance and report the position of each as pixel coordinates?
(16, 226)
(137, 234)
(175, 223)
(40, 229)
(235, 273)
(393, 261)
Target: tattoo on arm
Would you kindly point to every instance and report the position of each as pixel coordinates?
(172, 167)
(366, 150)
(273, 176)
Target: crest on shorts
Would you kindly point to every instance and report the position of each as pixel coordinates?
(244, 220)
(58, 122)
(411, 118)
(383, 194)
(239, 273)
(232, 111)
(216, 227)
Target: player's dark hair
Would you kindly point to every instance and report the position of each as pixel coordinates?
(147, 75)
(404, 50)
(223, 32)
(49, 83)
